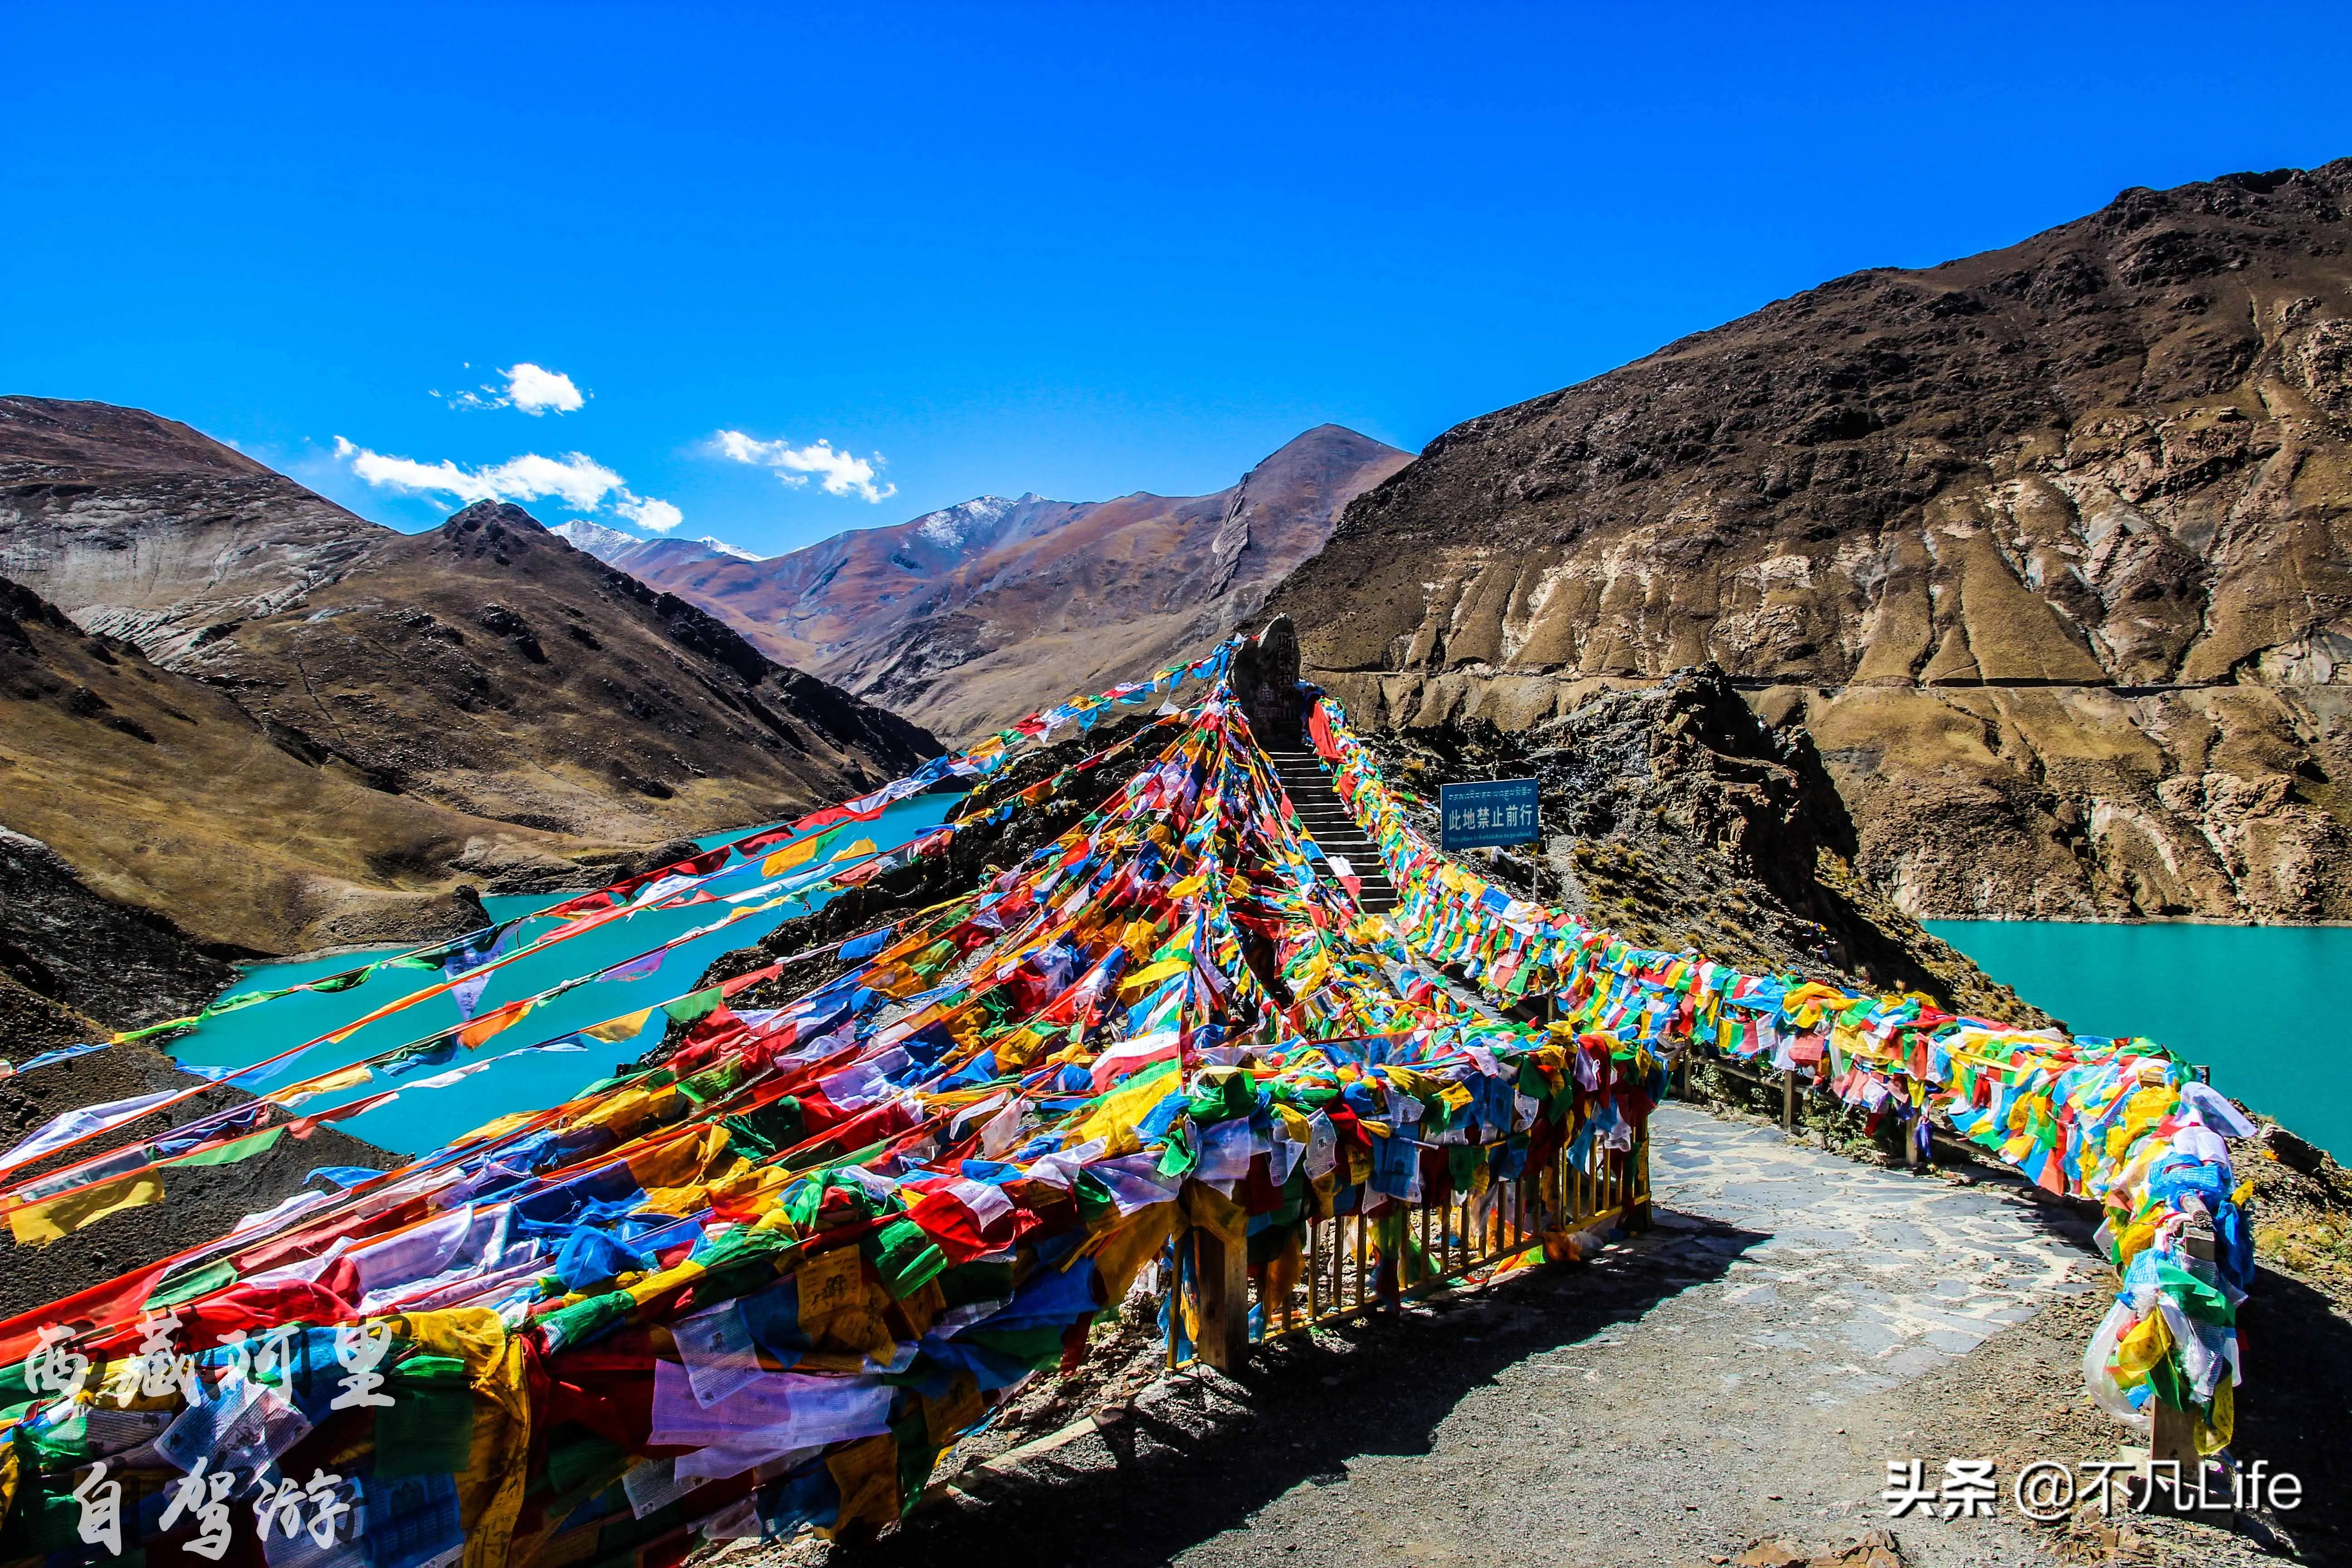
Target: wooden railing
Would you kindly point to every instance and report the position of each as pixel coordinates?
(1346, 1266)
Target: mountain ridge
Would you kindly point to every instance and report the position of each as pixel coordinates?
(615, 547)
(968, 616)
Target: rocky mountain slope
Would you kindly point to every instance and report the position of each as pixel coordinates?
(159, 793)
(2047, 547)
(300, 727)
(966, 618)
(491, 666)
(144, 529)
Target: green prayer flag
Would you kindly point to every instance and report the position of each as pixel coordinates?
(244, 1148)
(427, 1429)
(905, 1257)
(699, 1005)
(219, 1274)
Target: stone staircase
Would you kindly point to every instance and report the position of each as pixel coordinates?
(1323, 815)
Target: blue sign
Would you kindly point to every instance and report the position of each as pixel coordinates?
(1474, 816)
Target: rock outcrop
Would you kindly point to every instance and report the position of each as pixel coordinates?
(966, 618)
(1672, 814)
(2047, 546)
(64, 942)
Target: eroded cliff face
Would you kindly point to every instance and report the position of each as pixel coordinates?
(2048, 547)
(2088, 803)
(153, 532)
(1675, 814)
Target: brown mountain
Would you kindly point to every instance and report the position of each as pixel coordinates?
(341, 722)
(131, 795)
(966, 618)
(2047, 546)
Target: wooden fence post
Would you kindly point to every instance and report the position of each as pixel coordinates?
(1637, 1185)
(1224, 1299)
(1788, 1103)
(1220, 1252)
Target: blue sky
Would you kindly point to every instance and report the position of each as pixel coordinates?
(1081, 250)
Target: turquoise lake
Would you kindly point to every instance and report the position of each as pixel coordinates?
(2263, 1006)
(424, 1119)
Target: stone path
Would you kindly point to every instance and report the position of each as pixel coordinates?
(1740, 1372)
(1868, 1278)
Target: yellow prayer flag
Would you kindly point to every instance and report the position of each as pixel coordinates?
(624, 1027)
(946, 1417)
(498, 1129)
(1162, 970)
(325, 1083)
(61, 1217)
(679, 1161)
(866, 1472)
(793, 855)
(862, 847)
(2147, 1343)
(837, 1309)
(1128, 1104)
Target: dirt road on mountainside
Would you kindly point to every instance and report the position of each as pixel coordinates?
(1746, 1371)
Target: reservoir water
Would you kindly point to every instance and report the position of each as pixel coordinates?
(424, 1119)
(2263, 1006)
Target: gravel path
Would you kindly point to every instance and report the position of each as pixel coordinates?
(1794, 1321)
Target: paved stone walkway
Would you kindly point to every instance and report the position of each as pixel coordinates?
(1868, 1278)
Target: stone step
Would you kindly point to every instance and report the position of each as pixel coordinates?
(1323, 813)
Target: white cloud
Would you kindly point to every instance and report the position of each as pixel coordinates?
(535, 391)
(530, 388)
(657, 515)
(575, 479)
(841, 473)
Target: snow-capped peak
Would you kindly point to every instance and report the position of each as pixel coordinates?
(951, 528)
(597, 540)
(724, 548)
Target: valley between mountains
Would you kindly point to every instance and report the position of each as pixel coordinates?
(244, 715)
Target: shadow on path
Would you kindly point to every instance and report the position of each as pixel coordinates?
(1202, 1453)
(2295, 1408)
